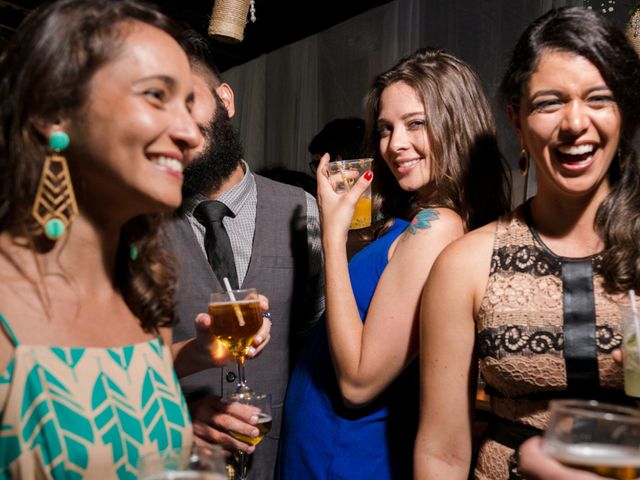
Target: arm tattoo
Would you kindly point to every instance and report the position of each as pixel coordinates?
(423, 220)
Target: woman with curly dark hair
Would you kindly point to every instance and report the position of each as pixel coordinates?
(95, 99)
(534, 296)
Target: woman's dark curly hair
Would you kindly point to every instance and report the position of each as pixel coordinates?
(44, 74)
(468, 172)
(590, 35)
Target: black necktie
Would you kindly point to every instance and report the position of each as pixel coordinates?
(216, 241)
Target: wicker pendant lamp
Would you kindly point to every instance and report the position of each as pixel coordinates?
(229, 18)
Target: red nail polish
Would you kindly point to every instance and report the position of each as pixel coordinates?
(368, 175)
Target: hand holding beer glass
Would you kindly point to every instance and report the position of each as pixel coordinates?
(262, 402)
(596, 437)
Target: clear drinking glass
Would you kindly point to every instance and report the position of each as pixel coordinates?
(344, 173)
(235, 320)
(194, 463)
(631, 349)
(262, 401)
(594, 436)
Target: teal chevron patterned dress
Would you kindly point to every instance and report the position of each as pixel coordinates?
(72, 413)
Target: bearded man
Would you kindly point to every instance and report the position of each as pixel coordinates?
(274, 236)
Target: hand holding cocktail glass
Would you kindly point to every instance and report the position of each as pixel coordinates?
(236, 319)
(205, 350)
(212, 345)
(344, 194)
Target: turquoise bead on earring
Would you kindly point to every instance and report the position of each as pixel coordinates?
(58, 141)
(54, 229)
(133, 252)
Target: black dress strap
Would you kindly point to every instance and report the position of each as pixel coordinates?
(580, 352)
(579, 316)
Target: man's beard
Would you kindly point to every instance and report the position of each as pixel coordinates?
(220, 157)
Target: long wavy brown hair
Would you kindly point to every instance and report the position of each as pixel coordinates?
(468, 171)
(44, 74)
(590, 35)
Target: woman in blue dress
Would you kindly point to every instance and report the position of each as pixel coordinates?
(351, 409)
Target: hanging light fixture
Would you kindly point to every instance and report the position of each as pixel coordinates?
(229, 18)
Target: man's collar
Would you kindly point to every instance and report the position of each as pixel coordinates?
(234, 193)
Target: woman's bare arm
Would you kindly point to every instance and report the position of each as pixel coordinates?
(369, 356)
(447, 362)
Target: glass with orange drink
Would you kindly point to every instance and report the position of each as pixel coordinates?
(342, 175)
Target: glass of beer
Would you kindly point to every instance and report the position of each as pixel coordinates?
(594, 436)
(344, 173)
(235, 320)
(262, 401)
(195, 462)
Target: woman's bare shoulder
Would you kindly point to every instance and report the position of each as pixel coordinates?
(465, 263)
(473, 243)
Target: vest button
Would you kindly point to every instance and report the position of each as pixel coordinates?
(231, 377)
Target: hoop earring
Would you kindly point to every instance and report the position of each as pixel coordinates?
(523, 164)
(55, 207)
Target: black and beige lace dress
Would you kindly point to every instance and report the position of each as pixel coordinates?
(546, 329)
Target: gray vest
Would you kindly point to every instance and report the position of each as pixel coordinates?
(278, 269)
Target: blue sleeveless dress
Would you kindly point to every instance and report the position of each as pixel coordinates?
(321, 438)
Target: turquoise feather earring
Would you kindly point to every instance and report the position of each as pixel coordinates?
(55, 206)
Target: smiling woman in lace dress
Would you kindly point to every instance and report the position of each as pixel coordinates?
(533, 296)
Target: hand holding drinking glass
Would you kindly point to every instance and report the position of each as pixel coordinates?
(236, 319)
(262, 402)
(214, 417)
(344, 196)
(631, 347)
(596, 437)
(535, 464)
